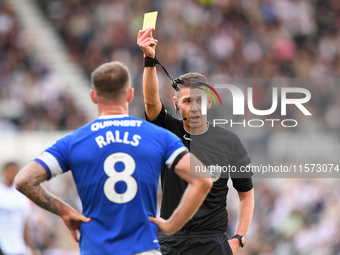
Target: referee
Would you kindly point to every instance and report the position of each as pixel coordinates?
(205, 233)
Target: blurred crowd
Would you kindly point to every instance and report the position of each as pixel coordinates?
(218, 38)
(231, 38)
(30, 94)
(293, 216)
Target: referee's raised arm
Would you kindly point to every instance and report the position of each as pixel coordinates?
(152, 100)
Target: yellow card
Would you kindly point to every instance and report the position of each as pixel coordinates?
(150, 20)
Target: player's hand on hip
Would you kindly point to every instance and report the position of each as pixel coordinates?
(164, 226)
(72, 219)
(146, 42)
(234, 245)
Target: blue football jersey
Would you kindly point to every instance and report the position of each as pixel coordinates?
(116, 162)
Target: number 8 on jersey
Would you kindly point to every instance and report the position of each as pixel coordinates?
(125, 176)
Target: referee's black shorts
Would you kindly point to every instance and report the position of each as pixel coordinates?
(210, 245)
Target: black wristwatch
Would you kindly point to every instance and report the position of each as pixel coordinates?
(242, 239)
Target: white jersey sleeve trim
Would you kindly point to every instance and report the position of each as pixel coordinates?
(52, 163)
(173, 156)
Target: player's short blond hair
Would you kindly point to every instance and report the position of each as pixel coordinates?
(111, 80)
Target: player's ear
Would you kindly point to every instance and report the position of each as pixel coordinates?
(175, 103)
(93, 96)
(130, 94)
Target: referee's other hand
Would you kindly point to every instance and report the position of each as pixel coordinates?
(165, 226)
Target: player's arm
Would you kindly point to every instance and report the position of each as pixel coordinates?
(244, 217)
(28, 181)
(153, 105)
(199, 185)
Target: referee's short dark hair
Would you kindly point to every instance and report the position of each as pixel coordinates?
(110, 80)
(191, 80)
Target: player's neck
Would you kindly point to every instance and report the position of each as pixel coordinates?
(112, 109)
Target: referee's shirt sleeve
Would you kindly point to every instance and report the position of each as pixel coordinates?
(164, 119)
(174, 149)
(242, 178)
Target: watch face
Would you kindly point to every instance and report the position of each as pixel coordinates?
(243, 240)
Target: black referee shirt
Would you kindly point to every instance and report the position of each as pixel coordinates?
(215, 146)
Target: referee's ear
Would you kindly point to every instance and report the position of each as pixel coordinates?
(175, 103)
(93, 96)
(209, 103)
